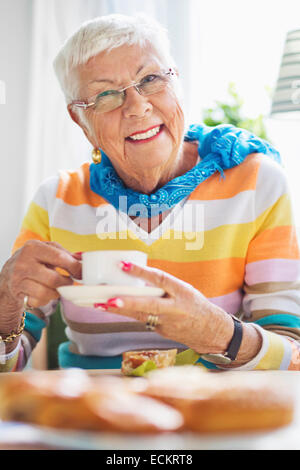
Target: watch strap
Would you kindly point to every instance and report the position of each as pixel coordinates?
(233, 346)
(236, 340)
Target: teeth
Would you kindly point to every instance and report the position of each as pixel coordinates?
(146, 135)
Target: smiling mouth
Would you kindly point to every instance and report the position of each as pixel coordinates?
(146, 136)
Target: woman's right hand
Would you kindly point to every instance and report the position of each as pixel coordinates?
(31, 272)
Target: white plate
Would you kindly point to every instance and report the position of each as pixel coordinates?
(87, 296)
(286, 438)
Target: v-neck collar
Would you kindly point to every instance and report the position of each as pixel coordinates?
(156, 234)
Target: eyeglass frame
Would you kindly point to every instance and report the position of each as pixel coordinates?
(85, 104)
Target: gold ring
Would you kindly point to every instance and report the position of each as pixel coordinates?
(152, 322)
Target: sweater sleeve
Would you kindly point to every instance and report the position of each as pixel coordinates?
(272, 274)
(35, 226)
(17, 359)
(36, 223)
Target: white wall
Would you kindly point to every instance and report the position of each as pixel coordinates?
(242, 42)
(15, 28)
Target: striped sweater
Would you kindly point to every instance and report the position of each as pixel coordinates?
(232, 238)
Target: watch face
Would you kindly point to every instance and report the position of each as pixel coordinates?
(216, 358)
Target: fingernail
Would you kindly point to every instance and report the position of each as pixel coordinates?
(78, 254)
(115, 302)
(126, 266)
(101, 306)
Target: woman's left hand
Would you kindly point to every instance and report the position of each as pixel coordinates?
(184, 314)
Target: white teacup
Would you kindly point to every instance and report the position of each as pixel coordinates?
(104, 267)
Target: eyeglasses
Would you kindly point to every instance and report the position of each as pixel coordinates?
(112, 99)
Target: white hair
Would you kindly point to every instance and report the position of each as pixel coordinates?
(103, 34)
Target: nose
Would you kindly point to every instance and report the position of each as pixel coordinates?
(135, 105)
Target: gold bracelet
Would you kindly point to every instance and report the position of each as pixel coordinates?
(14, 334)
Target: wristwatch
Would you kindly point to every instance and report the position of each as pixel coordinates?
(233, 346)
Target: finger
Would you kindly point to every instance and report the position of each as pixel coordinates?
(77, 254)
(53, 254)
(170, 284)
(49, 277)
(139, 316)
(38, 294)
(138, 307)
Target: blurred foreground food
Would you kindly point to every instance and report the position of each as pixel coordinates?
(171, 399)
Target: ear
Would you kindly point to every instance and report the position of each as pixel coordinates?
(76, 118)
(74, 115)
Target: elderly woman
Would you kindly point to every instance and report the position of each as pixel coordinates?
(231, 292)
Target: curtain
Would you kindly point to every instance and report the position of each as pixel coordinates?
(54, 140)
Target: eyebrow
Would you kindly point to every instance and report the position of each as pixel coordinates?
(106, 80)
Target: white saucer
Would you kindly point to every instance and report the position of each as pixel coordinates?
(87, 296)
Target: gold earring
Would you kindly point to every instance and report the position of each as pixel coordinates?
(96, 156)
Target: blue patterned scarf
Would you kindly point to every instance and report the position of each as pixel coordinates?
(220, 148)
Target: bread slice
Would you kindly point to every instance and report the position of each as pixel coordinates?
(71, 400)
(228, 401)
(162, 358)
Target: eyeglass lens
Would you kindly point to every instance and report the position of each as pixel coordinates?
(148, 86)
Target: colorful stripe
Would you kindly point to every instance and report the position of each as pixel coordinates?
(232, 238)
(281, 319)
(9, 362)
(34, 325)
(68, 359)
(245, 179)
(24, 236)
(275, 354)
(74, 188)
(272, 270)
(37, 220)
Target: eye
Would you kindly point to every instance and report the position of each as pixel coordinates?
(150, 78)
(107, 93)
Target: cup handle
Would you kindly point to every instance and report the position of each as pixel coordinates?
(77, 254)
(78, 281)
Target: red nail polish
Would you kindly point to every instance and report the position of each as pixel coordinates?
(78, 254)
(126, 266)
(115, 302)
(101, 306)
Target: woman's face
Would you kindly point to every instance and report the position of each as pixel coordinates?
(111, 130)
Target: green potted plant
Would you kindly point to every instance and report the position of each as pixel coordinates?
(232, 113)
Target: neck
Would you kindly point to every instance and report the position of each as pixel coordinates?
(148, 181)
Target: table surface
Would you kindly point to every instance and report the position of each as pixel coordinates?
(23, 436)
